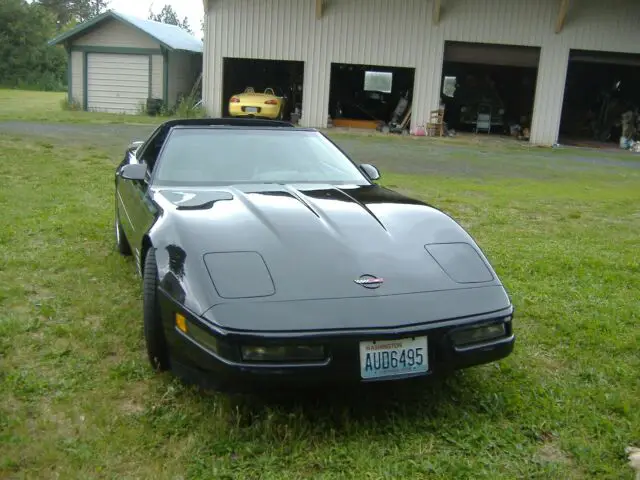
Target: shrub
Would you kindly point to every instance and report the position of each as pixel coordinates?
(70, 105)
(189, 107)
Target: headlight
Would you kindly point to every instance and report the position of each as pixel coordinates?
(283, 353)
(484, 333)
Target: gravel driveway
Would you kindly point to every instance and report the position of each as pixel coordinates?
(400, 155)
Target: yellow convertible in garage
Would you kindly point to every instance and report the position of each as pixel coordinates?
(261, 105)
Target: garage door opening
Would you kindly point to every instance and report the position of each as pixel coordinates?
(489, 88)
(367, 96)
(601, 100)
(262, 88)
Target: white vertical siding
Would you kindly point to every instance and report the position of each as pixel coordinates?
(157, 76)
(114, 33)
(77, 77)
(547, 104)
(401, 33)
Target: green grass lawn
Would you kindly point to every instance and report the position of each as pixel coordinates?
(34, 106)
(78, 400)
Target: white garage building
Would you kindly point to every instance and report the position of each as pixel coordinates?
(117, 62)
(418, 34)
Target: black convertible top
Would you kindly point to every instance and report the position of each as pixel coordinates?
(225, 121)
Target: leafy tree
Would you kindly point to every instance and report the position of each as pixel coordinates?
(64, 11)
(74, 11)
(92, 8)
(26, 60)
(169, 15)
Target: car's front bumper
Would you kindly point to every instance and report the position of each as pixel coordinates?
(226, 370)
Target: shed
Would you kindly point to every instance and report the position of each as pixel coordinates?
(117, 62)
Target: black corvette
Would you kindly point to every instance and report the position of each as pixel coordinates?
(267, 255)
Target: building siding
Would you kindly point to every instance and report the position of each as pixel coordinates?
(121, 37)
(117, 34)
(77, 77)
(157, 76)
(401, 33)
(183, 72)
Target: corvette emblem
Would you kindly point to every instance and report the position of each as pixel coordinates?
(369, 281)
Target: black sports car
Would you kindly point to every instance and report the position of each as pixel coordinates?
(267, 255)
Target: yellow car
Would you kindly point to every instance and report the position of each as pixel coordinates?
(252, 104)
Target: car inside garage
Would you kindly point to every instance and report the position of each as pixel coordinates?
(366, 96)
(601, 98)
(281, 77)
(489, 88)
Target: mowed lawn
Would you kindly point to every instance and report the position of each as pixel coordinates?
(24, 105)
(78, 399)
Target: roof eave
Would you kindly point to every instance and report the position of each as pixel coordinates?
(79, 29)
(162, 44)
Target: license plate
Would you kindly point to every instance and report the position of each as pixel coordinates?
(251, 109)
(393, 358)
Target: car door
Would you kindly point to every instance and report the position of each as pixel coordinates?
(131, 195)
(124, 197)
(137, 194)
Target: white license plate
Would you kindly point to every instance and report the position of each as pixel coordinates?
(392, 358)
(251, 109)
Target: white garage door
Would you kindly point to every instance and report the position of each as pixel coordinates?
(117, 83)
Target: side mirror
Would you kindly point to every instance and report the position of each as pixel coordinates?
(134, 171)
(370, 171)
(135, 145)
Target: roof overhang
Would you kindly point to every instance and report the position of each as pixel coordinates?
(89, 25)
(562, 15)
(95, 22)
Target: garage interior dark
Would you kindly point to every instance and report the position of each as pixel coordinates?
(285, 77)
(509, 91)
(498, 81)
(600, 88)
(368, 92)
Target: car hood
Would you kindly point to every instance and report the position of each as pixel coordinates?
(311, 242)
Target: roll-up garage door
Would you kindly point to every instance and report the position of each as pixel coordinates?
(117, 83)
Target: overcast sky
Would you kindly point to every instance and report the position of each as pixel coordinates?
(192, 9)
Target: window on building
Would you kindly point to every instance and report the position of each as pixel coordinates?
(378, 81)
(449, 86)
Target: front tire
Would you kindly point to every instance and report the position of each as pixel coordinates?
(157, 350)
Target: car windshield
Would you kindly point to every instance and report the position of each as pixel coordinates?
(222, 156)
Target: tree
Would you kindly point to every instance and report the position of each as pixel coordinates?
(91, 8)
(74, 11)
(169, 15)
(63, 10)
(26, 60)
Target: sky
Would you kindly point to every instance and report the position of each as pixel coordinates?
(192, 9)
